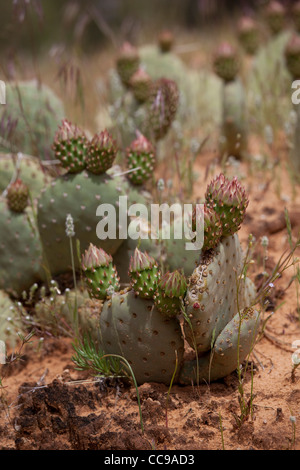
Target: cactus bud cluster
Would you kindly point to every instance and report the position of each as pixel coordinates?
(101, 154)
(77, 153)
(70, 147)
(213, 230)
(141, 159)
(170, 293)
(229, 201)
(144, 274)
(128, 62)
(226, 62)
(166, 41)
(249, 35)
(17, 196)
(100, 273)
(162, 107)
(140, 84)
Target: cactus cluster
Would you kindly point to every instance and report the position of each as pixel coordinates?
(88, 182)
(142, 323)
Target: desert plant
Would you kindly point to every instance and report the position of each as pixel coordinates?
(234, 126)
(38, 111)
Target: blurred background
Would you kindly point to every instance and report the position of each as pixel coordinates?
(91, 23)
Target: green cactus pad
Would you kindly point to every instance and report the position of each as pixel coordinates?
(240, 332)
(99, 272)
(79, 195)
(11, 323)
(27, 168)
(170, 293)
(38, 111)
(144, 274)
(136, 330)
(234, 130)
(214, 293)
(20, 251)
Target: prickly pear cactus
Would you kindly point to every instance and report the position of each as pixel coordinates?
(70, 147)
(144, 274)
(17, 196)
(133, 328)
(27, 168)
(269, 83)
(211, 300)
(240, 333)
(20, 251)
(78, 195)
(99, 272)
(229, 200)
(128, 62)
(140, 83)
(101, 153)
(220, 323)
(234, 127)
(10, 319)
(249, 35)
(140, 160)
(226, 62)
(38, 111)
(170, 293)
(162, 107)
